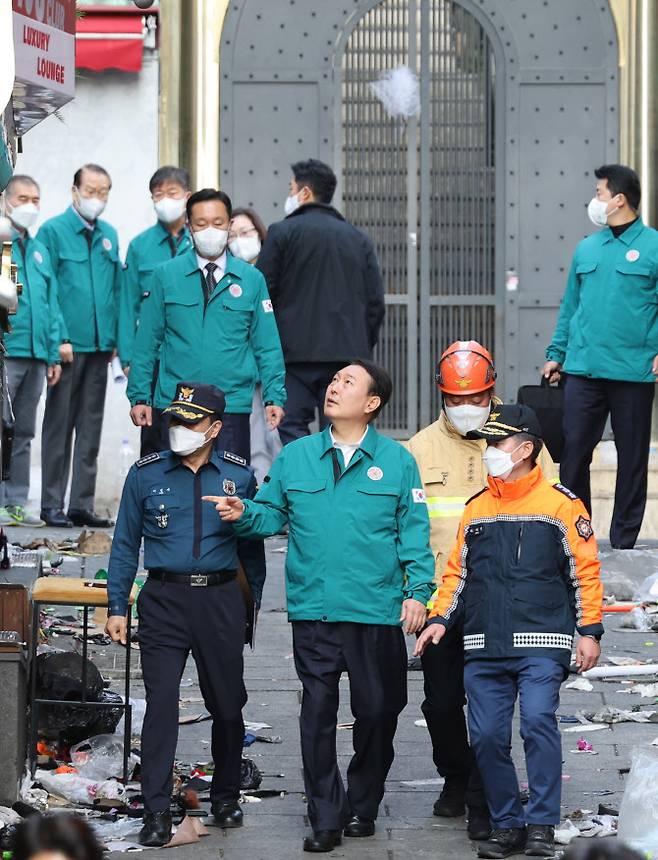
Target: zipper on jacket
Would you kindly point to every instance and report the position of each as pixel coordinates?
(518, 545)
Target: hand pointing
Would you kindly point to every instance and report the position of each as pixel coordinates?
(229, 508)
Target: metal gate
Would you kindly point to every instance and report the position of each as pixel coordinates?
(424, 189)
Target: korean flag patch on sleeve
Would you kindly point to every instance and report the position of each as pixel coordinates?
(418, 496)
(267, 306)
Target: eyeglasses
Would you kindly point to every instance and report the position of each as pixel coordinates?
(245, 233)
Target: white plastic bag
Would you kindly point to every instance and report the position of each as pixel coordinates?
(70, 786)
(99, 758)
(398, 91)
(137, 713)
(638, 814)
(647, 592)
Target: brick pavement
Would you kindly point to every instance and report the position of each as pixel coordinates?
(274, 828)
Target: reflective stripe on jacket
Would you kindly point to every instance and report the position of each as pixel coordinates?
(524, 572)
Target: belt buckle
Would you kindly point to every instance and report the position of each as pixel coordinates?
(199, 579)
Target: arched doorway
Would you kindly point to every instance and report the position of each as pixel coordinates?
(425, 189)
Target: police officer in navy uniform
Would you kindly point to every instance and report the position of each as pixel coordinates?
(191, 600)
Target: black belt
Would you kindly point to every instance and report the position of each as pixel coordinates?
(193, 578)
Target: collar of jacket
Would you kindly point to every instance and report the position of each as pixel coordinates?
(368, 445)
(627, 237)
(175, 461)
(446, 426)
(192, 267)
(515, 489)
(165, 234)
(77, 223)
(327, 208)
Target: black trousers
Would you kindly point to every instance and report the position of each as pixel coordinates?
(587, 404)
(210, 622)
(235, 434)
(375, 659)
(306, 385)
(443, 709)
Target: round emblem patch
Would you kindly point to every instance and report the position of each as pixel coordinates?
(235, 290)
(38, 256)
(375, 473)
(632, 255)
(107, 244)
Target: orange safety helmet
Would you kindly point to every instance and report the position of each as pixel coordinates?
(465, 367)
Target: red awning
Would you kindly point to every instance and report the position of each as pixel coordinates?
(107, 40)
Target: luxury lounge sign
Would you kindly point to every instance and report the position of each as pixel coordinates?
(44, 45)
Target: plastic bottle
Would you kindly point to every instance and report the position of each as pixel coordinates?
(126, 458)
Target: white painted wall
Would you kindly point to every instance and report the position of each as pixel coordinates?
(112, 121)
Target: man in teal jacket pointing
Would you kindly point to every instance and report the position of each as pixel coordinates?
(606, 342)
(358, 565)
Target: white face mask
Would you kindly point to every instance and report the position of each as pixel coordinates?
(466, 418)
(24, 216)
(184, 441)
(89, 207)
(499, 463)
(169, 209)
(210, 242)
(291, 205)
(596, 210)
(245, 248)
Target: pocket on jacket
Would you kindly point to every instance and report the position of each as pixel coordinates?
(532, 600)
(378, 499)
(159, 511)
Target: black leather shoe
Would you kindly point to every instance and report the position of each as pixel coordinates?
(322, 841)
(540, 841)
(55, 518)
(451, 801)
(503, 842)
(227, 814)
(156, 831)
(88, 518)
(358, 826)
(479, 826)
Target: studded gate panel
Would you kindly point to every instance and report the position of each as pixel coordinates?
(476, 206)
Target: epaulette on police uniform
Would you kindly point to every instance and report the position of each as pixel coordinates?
(566, 492)
(479, 493)
(144, 461)
(234, 458)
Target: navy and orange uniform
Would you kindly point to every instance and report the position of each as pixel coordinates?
(524, 570)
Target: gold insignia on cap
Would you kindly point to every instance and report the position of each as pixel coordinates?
(186, 394)
(464, 383)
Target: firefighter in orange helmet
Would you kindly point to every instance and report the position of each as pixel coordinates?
(452, 471)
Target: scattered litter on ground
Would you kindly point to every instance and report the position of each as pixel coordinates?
(625, 670)
(584, 746)
(647, 691)
(638, 822)
(580, 683)
(187, 719)
(254, 728)
(422, 723)
(591, 727)
(346, 726)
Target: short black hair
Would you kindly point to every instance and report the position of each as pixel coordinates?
(622, 180)
(208, 194)
(381, 384)
(20, 177)
(537, 444)
(93, 168)
(169, 173)
(61, 833)
(319, 177)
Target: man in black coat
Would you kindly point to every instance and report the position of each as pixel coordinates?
(326, 289)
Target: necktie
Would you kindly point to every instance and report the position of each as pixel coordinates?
(210, 278)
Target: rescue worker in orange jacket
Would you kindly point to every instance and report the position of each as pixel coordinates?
(524, 572)
(452, 470)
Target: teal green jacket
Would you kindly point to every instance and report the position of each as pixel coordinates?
(359, 545)
(231, 343)
(608, 322)
(35, 329)
(146, 251)
(89, 277)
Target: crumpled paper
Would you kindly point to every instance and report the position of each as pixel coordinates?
(596, 825)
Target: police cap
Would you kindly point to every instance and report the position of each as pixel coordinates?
(508, 420)
(196, 400)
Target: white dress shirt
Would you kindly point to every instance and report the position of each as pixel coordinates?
(220, 262)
